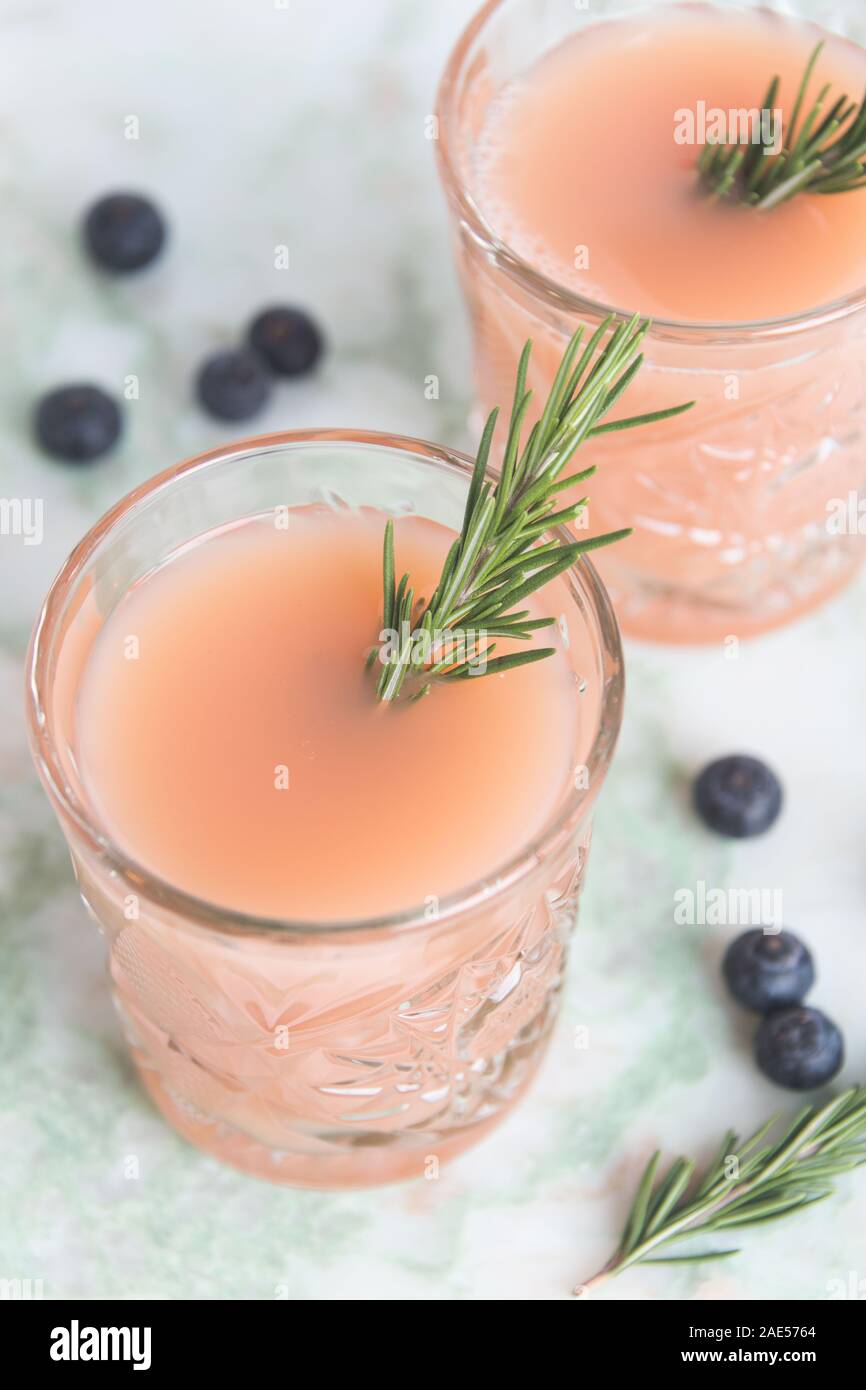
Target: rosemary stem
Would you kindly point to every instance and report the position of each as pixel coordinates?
(508, 545)
(818, 1145)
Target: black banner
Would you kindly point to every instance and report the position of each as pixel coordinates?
(87, 1339)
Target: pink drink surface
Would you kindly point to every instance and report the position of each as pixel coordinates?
(578, 159)
(247, 658)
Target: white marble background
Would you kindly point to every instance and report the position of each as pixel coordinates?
(303, 124)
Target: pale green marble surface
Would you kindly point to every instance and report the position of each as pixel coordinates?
(304, 125)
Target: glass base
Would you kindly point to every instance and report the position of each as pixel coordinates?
(374, 1159)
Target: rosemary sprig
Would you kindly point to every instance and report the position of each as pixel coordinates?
(501, 555)
(746, 1184)
(822, 153)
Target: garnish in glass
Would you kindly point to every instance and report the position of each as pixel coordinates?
(503, 554)
(821, 152)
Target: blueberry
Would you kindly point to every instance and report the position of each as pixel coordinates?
(738, 796)
(124, 232)
(77, 423)
(233, 385)
(288, 339)
(764, 971)
(798, 1047)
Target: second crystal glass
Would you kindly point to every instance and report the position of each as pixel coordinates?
(742, 508)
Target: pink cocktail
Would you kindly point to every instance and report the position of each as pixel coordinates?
(336, 928)
(568, 143)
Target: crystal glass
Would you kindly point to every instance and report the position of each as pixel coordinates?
(735, 505)
(408, 1036)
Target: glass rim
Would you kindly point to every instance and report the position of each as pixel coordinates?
(558, 296)
(582, 579)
